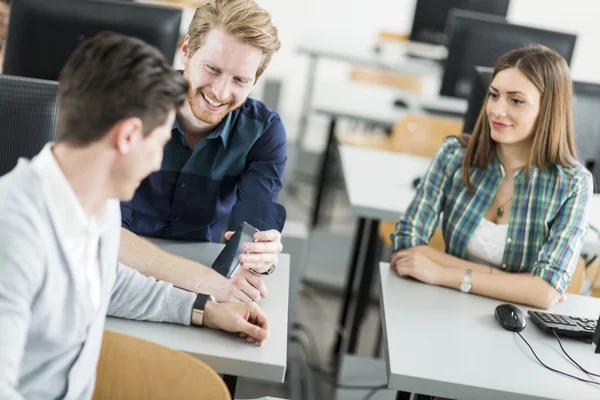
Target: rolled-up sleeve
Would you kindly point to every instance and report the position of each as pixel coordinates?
(417, 225)
(262, 180)
(558, 256)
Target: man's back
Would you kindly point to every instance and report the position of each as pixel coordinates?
(42, 294)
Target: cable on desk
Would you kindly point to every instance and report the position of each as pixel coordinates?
(552, 369)
(570, 358)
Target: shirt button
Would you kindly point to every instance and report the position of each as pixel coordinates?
(182, 184)
(177, 219)
(509, 240)
(504, 266)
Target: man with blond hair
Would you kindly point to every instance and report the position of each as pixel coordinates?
(224, 163)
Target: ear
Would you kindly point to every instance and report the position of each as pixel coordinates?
(127, 135)
(185, 49)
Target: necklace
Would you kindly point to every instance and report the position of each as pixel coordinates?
(500, 210)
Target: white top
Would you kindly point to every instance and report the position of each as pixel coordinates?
(441, 342)
(487, 243)
(80, 232)
(224, 351)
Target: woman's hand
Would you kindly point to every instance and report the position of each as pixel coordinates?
(416, 265)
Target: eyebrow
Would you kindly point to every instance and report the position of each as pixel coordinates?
(242, 78)
(511, 92)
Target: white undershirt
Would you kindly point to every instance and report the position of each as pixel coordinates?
(487, 243)
(79, 232)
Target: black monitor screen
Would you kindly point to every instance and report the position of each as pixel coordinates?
(430, 17)
(479, 39)
(481, 83)
(42, 34)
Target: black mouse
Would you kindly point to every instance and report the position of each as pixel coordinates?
(510, 317)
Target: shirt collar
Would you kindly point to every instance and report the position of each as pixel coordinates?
(69, 215)
(222, 130)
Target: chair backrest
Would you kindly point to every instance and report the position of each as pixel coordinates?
(131, 368)
(422, 135)
(28, 114)
(578, 277)
(377, 76)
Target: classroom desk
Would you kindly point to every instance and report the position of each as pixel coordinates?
(372, 199)
(391, 57)
(226, 353)
(442, 342)
(372, 104)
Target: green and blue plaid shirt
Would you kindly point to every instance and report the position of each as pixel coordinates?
(548, 218)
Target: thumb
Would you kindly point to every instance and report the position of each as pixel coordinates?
(228, 234)
(254, 331)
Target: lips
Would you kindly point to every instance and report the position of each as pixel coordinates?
(500, 125)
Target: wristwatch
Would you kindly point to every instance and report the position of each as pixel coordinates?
(267, 272)
(465, 285)
(198, 308)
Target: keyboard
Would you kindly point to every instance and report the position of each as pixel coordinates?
(564, 325)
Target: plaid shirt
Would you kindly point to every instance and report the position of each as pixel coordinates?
(548, 218)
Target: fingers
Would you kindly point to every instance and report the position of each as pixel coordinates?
(258, 284)
(399, 255)
(258, 262)
(249, 290)
(268, 236)
(256, 327)
(228, 234)
(263, 247)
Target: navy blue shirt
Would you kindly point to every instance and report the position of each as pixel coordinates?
(235, 174)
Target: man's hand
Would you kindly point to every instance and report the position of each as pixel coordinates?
(261, 254)
(246, 319)
(243, 286)
(416, 265)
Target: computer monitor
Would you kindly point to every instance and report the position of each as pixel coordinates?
(481, 83)
(430, 17)
(28, 111)
(586, 118)
(480, 39)
(42, 34)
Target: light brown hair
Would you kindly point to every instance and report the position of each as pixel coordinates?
(245, 20)
(553, 132)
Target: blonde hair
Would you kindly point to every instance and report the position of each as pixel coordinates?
(245, 20)
(553, 132)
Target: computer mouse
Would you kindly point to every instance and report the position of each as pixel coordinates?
(510, 317)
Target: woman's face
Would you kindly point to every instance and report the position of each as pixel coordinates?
(513, 107)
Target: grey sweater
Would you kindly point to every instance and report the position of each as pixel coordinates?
(50, 334)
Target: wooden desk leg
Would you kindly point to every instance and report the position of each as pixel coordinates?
(231, 383)
(364, 291)
(354, 261)
(323, 171)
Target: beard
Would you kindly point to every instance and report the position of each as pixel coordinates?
(195, 98)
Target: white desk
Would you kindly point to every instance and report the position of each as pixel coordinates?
(226, 353)
(441, 342)
(373, 103)
(379, 183)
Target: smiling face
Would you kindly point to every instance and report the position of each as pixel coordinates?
(513, 106)
(220, 74)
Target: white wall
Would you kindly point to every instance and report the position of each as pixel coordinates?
(345, 23)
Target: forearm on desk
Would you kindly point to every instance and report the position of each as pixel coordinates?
(513, 287)
(151, 260)
(450, 261)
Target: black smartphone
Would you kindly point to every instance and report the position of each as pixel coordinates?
(228, 259)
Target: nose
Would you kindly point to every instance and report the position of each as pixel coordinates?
(220, 88)
(498, 109)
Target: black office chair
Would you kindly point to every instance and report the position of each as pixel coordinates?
(28, 113)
